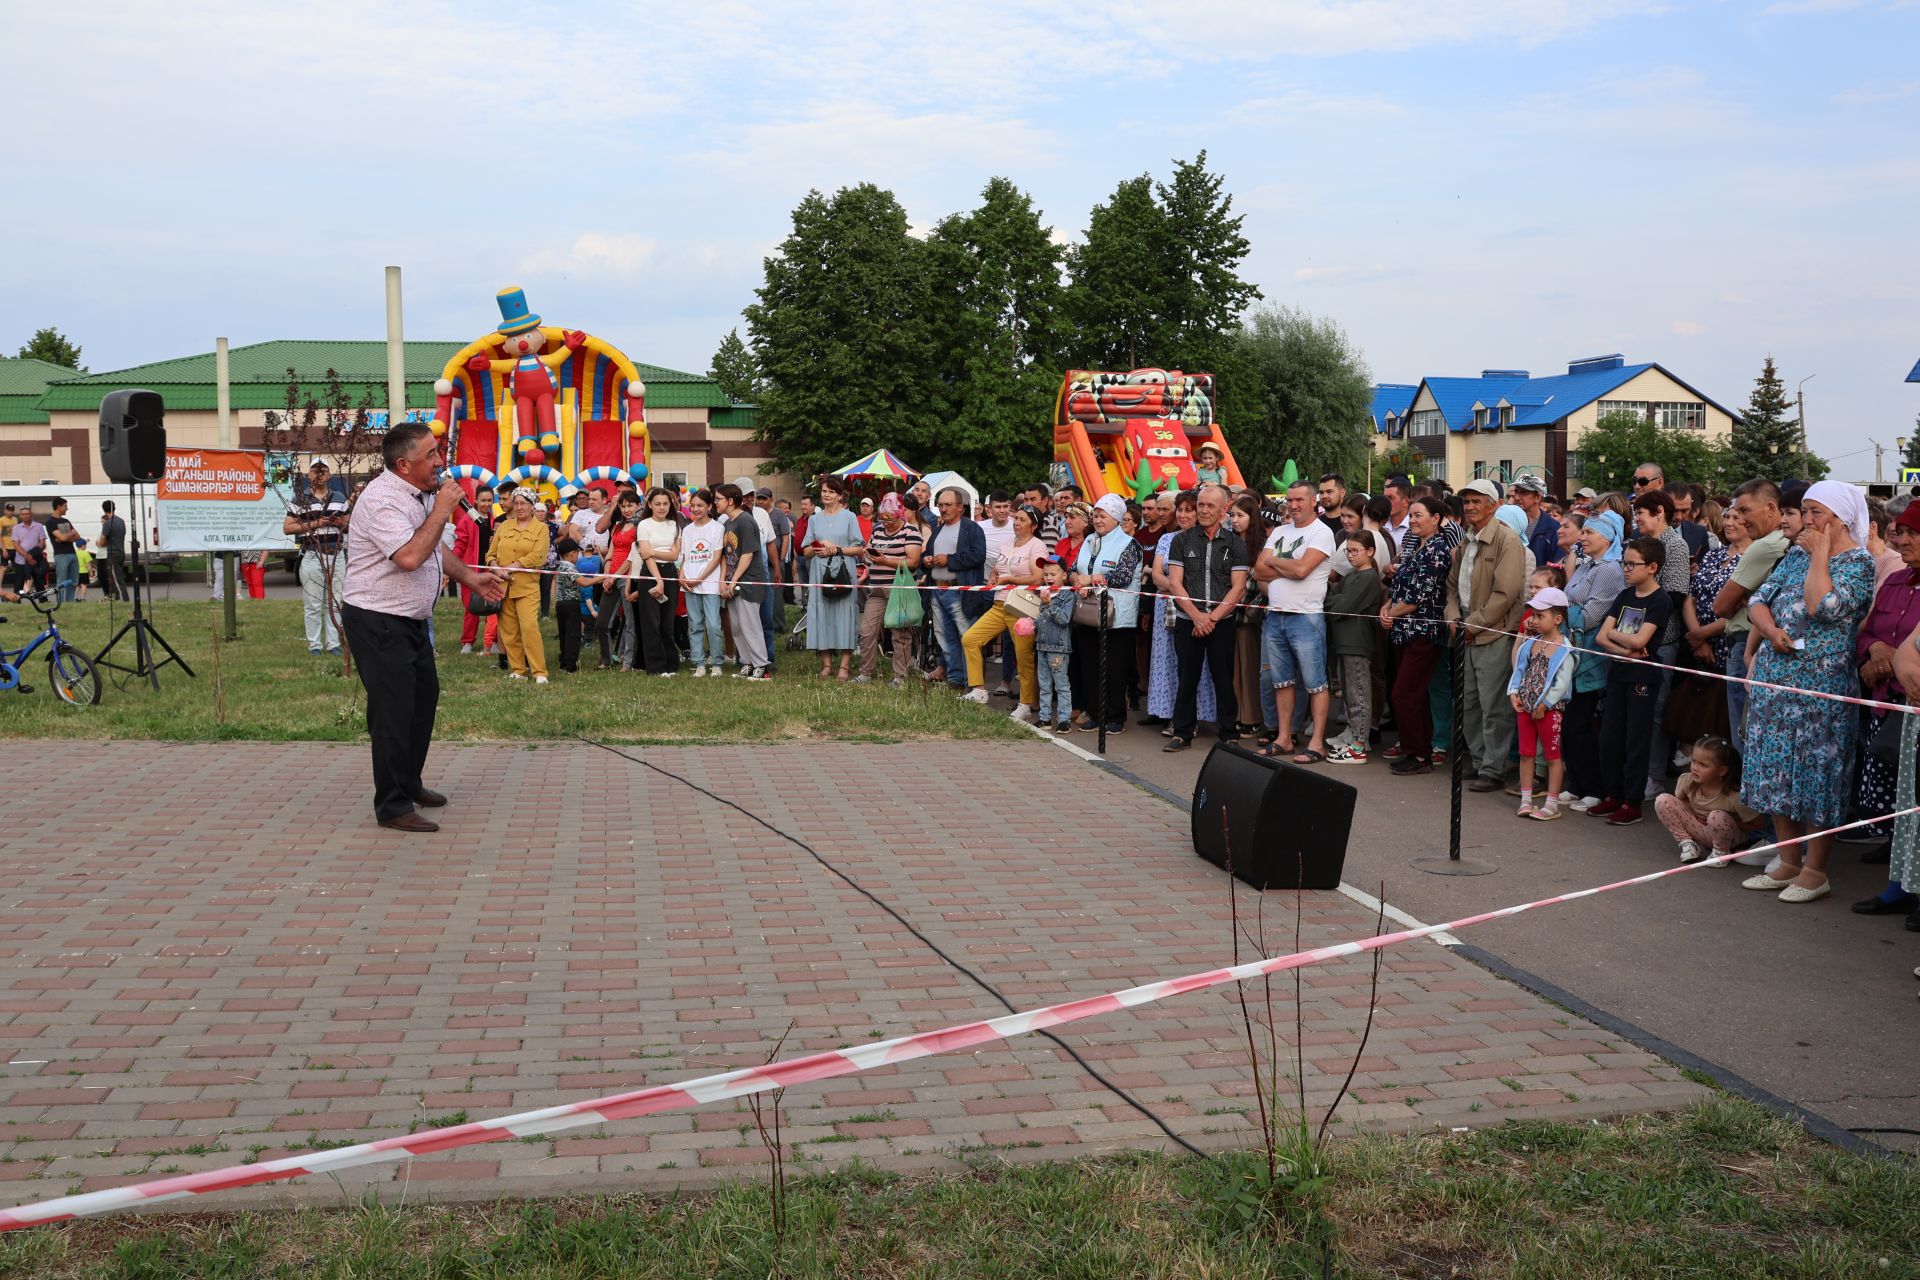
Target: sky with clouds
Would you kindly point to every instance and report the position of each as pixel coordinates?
(1462, 183)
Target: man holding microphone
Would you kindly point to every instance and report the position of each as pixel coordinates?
(394, 569)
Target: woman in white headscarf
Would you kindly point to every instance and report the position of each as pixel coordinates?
(1799, 750)
(1108, 559)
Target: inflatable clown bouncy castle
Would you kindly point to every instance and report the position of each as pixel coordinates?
(555, 408)
(1136, 433)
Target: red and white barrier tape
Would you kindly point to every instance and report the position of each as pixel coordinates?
(1874, 704)
(775, 1075)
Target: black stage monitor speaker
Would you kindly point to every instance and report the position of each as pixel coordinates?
(133, 436)
(1286, 827)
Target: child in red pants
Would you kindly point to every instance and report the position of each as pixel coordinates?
(1705, 809)
(1542, 683)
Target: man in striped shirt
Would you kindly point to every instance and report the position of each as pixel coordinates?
(318, 520)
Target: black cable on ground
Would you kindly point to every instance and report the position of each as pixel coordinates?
(1910, 1132)
(906, 924)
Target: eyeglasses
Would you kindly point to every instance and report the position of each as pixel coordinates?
(1638, 481)
(1633, 564)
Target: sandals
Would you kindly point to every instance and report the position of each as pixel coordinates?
(1309, 756)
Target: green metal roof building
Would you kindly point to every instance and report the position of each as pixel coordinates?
(48, 414)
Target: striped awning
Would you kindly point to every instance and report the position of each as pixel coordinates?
(881, 463)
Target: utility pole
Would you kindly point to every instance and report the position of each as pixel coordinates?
(1800, 396)
(1878, 449)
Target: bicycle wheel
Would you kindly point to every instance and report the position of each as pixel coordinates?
(71, 674)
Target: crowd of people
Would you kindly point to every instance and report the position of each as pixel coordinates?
(39, 552)
(1323, 626)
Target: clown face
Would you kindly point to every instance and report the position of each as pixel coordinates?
(529, 343)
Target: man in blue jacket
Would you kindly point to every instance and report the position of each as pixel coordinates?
(956, 557)
(1543, 531)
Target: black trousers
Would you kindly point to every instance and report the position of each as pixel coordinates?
(1580, 744)
(658, 652)
(116, 575)
(1216, 651)
(567, 621)
(1626, 732)
(1085, 671)
(395, 662)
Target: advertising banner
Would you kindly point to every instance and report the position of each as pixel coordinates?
(219, 500)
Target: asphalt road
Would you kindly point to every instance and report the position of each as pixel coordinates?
(1811, 1002)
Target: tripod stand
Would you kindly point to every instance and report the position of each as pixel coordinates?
(144, 634)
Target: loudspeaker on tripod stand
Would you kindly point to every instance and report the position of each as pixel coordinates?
(1284, 827)
(133, 436)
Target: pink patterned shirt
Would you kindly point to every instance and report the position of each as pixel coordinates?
(390, 511)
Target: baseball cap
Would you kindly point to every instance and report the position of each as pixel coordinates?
(1548, 598)
(1585, 493)
(763, 492)
(744, 484)
(1532, 484)
(1482, 487)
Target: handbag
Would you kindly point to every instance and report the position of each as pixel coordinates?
(903, 602)
(481, 607)
(1023, 602)
(1090, 608)
(835, 581)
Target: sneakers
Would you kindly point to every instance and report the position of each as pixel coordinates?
(1579, 804)
(699, 672)
(861, 679)
(1023, 713)
(1439, 756)
(1605, 809)
(741, 672)
(1548, 810)
(1347, 754)
(515, 675)
(761, 675)
(1406, 766)
(1393, 752)
(896, 683)
(1001, 691)
(1064, 727)
(466, 650)
(1115, 726)
(1690, 852)
(1625, 816)
(978, 695)
(539, 679)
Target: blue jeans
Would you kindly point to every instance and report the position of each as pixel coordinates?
(1293, 648)
(704, 637)
(1056, 694)
(66, 576)
(949, 625)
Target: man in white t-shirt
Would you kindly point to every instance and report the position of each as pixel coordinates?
(1295, 566)
(585, 522)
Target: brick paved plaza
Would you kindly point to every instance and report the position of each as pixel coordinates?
(218, 954)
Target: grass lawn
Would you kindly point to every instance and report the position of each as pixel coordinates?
(1721, 1190)
(270, 688)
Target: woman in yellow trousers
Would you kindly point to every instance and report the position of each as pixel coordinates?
(1018, 567)
(521, 543)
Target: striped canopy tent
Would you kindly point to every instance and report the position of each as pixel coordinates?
(881, 464)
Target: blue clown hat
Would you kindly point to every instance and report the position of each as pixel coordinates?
(514, 316)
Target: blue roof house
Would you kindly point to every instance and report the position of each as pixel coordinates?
(1508, 423)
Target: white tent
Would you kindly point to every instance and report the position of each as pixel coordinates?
(938, 480)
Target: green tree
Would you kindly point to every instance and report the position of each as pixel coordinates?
(1400, 459)
(735, 369)
(996, 296)
(1911, 456)
(51, 345)
(1620, 441)
(1766, 441)
(1203, 296)
(1115, 293)
(1304, 394)
(842, 336)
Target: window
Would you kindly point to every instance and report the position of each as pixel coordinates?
(1396, 426)
(1479, 471)
(1576, 469)
(1437, 468)
(1480, 419)
(1681, 415)
(1506, 468)
(673, 481)
(1638, 408)
(1426, 422)
(1506, 415)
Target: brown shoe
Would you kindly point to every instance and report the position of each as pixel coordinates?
(427, 798)
(410, 822)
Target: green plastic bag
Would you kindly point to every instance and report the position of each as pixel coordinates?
(903, 602)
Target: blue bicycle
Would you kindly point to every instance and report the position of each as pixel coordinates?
(68, 670)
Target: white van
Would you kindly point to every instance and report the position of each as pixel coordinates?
(83, 508)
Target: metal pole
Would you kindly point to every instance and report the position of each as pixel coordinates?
(1099, 696)
(223, 400)
(396, 353)
(1456, 676)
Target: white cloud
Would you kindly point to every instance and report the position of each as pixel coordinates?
(594, 251)
(1358, 275)
(1299, 102)
(1688, 328)
(1875, 95)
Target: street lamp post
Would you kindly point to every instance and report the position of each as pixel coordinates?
(1800, 398)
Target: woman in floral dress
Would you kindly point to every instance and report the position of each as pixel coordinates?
(1799, 750)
